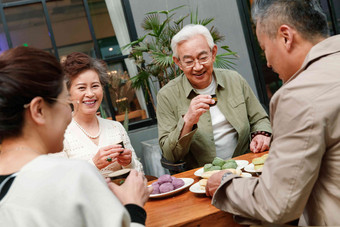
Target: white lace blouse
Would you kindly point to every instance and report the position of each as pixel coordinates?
(78, 146)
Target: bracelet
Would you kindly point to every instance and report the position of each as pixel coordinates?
(260, 133)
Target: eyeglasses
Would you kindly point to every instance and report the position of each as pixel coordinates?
(189, 63)
(66, 101)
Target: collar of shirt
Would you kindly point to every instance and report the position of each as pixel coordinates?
(189, 90)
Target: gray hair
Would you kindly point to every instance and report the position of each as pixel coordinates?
(188, 32)
(306, 16)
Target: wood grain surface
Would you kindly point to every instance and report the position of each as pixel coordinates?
(187, 208)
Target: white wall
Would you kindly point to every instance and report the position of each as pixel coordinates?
(227, 21)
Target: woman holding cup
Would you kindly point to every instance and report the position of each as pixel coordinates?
(40, 190)
(103, 143)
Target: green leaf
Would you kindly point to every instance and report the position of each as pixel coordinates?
(174, 9)
(151, 23)
(229, 53)
(165, 11)
(226, 48)
(140, 79)
(224, 62)
(162, 59)
(180, 20)
(206, 21)
(126, 120)
(134, 42)
(216, 35)
(102, 112)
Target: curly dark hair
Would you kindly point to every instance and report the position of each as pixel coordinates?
(76, 63)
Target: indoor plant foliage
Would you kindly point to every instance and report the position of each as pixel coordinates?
(160, 27)
(121, 91)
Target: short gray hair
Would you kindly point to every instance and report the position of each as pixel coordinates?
(306, 16)
(188, 32)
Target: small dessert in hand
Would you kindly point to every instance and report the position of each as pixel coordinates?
(214, 98)
(121, 143)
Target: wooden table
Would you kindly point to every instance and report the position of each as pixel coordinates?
(187, 208)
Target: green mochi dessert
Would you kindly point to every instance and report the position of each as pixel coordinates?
(215, 168)
(218, 162)
(207, 167)
(230, 164)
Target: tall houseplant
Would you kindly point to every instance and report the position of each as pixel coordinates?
(160, 27)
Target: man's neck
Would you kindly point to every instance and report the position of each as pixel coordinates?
(299, 54)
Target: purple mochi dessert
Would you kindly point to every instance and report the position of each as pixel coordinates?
(166, 187)
(177, 183)
(155, 187)
(164, 179)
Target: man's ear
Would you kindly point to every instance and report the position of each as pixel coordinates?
(214, 52)
(37, 110)
(286, 35)
(176, 60)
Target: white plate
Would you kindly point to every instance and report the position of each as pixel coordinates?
(196, 188)
(199, 172)
(240, 165)
(250, 168)
(187, 183)
(246, 175)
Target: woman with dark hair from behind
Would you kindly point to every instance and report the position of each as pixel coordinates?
(40, 190)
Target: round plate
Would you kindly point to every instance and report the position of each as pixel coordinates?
(246, 175)
(250, 168)
(240, 165)
(187, 183)
(196, 188)
(122, 173)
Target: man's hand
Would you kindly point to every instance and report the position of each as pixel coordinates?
(214, 182)
(259, 143)
(198, 106)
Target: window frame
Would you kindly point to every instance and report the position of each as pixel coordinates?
(115, 59)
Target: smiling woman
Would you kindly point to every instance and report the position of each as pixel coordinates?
(88, 136)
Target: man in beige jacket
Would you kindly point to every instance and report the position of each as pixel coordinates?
(300, 178)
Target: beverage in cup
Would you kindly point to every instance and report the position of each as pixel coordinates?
(214, 98)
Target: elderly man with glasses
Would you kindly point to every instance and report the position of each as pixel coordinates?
(206, 112)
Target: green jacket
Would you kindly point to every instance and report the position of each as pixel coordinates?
(236, 101)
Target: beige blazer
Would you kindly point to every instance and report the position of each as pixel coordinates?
(302, 173)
